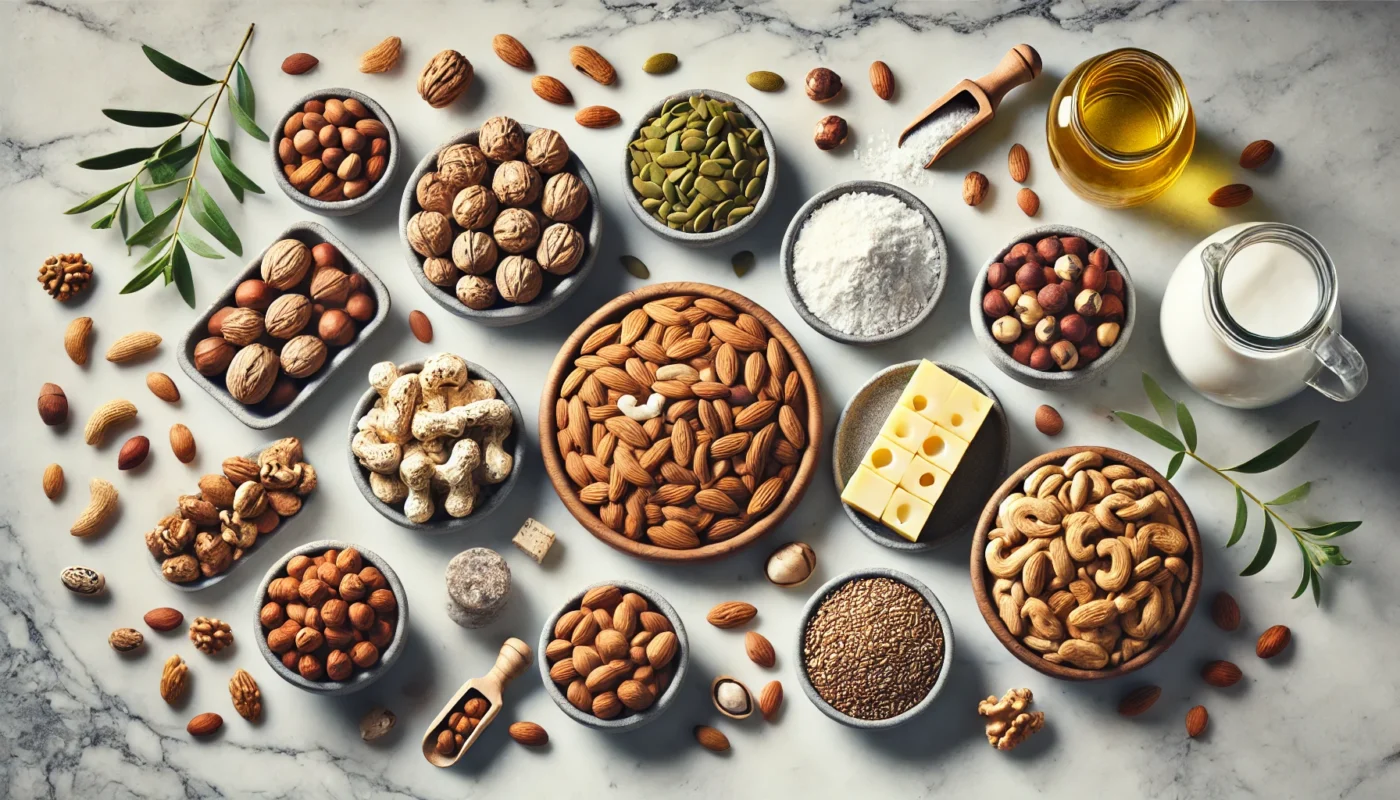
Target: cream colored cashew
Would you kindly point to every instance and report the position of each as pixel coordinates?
(1043, 620)
(1128, 601)
(1011, 536)
(417, 472)
(1106, 636)
(1041, 645)
(457, 475)
(1079, 487)
(1142, 622)
(677, 372)
(1099, 486)
(1179, 568)
(1035, 575)
(627, 404)
(1050, 486)
(375, 455)
(1003, 519)
(400, 405)
(388, 488)
(1035, 479)
(1000, 587)
(102, 501)
(1135, 487)
(1118, 471)
(1120, 570)
(1006, 565)
(1107, 512)
(382, 376)
(1036, 517)
(1084, 459)
(1011, 616)
(1082, 654)
(1131, 647)
(1079, 526)
(1165, 538)
(1140, 508)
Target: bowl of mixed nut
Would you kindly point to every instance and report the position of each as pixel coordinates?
(1086, 564)
(680, 422)
(336, 152)
(701, 168)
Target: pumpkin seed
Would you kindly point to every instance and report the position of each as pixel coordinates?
(692, 144)
(765, 81)
(651, 205)
(646, 188)
(661, 63)
(655, 146)
(678, 216)
(739, 213)
(635, 266)
(743, 262)
(673, 159)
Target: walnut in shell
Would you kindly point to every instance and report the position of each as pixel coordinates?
(435, 194)
(251, 373)
(501, 139)
(476, 292)
(440, 271)
(474, 208)
(429, 233)
(285, 263)
(461, 165)
(516, 230)
(242, 326)
(516, 183)
(287, 316)
(565, 197)
(444, 78)
(474, 252)
(330, 286)
(546, 151)
(303, 356)
(560, 249)
(519, 279)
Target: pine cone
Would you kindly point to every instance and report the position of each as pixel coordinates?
(64, 275)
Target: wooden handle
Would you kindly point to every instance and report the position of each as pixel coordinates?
(1021, 64)
(514, 657)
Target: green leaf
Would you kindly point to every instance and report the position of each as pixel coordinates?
(228, 168)
(1166, 407)
(144, 119)
(1151, 430)
(198, 246)
(1292, 495)
(1317, 588)
(1175, 464)
(122, 221)
(119, 159)
(1307, 574)
(1241, 518)
(167, 184)
(233, 188)
(104, 223)
(180, 268)
(246, 96)
(145, 277)
(168, 165)
(141, 201)
(152, 253)
(1332, 530)
(96, 200)
(1188, 426)
(1266, 548)
(175, 69)
(1332, 554)
(244, 119)
(1279, 453)
(210, 217)
(152, 230)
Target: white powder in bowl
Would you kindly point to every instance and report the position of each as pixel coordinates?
(866, 264)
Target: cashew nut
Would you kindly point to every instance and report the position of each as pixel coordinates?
(417, 472)
(1079, 526)
(1036, 517)
(1141, 623)
(102, 501)
(1082, 654)
(1099, 487)
(375, 455)
(1011, 536)
(1142, 507)
(677, 372)
(1061, 563)
(1004, 565)
(1093, 614)
(1003, 520)
(1120, 570)
(1128, 601)
(1107, 512)
(1043, 620)
(1011, 615)
(627, 404)
(1105, 636)
(1135, 487)
(1165, 538)
(1084, 459)
(1050, 485)
(457, 474)
(1036, 574)
(1179, 568)
(1040, 645)
(1079, 487)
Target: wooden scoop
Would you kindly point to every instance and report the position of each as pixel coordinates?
(514, 657)
(1020, 65)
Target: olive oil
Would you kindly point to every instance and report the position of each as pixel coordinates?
(1120, 128)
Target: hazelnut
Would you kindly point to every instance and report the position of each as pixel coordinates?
(296, 612)
(995, 304)
(1075, 245)
(565, 197)
(1049, 249)
(473, 252)
(560, 250)
(338, 666)
(1088, 351)
(1069, 267)
(1028, 309)
(519, 279)
(212, 355)
(272, 615)
(383, 602)
(999, 276)
(303, 356)
(501, 139)
(330, 286)
(474, 208)
(1113, 282)
(349, 560)
(336, 328)
(352, 140)
(1099, 258)
(329, 572)
(284, 391)
(1088, 303)
(309, 667)
(1112, 308)
(476, 707)
(298, 565)
(308, 639)
(333, 157)
(1047, 330)
(311, 618)
(516, 230)
(287, 315)
(243, 326)
(1054, 298)
(830, 133)
(1040, 358)
(254, 294)
(290, 659)
(1107, 334)
(429, 233)
(324, 255)
(1073, 327)
(360, 305)
(1021, 352)
(365, 655)
(1030, 276)
(1013, 293)
(380, 634)
(373, 578)
(516, 183)
(1019, 254)
(546, 151)
(361, 616)
(1006, 329)
(352, 588)
(305, 142)
(314, 591)
(280, 640)
(339, 638)
(216, 320)
(329, 136)
(462, 165)
(335, 612)
(1050, 276)
(438, 270)
(1065, 355)
(284, 590)
(445, 744)
(285, 264)
(823, 84)
(1094, 278)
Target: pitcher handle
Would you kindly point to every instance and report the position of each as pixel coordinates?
(1344, 374)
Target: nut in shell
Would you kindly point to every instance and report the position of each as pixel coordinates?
(445, 77)
(560, 249)
(516, 230)
(285, 264)
(474, 208)
(124, 640)
(519, 279)
(303, 356)
(251, 373)
(546, 151)
(473, 252)
(83, 580)
(501, 139)
(516, 183)
(462, 165)
(287, 316)
(377, 723)
(429, 233)
(791, 565)
(565, 197)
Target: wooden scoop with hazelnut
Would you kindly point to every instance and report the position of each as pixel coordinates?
(514, 657)
(1020, 65)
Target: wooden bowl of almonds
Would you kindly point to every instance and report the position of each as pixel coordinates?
(1086, 564)
(680, 422)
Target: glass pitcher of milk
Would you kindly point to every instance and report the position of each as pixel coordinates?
(1251, 316)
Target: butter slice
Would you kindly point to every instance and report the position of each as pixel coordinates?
(905, 428)
(925, 480)
(867, 493)
(963, 411)
(887, 459)
(906, 514)
(943, 448)
(928, 387)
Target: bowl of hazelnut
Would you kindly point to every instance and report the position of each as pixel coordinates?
(297, 313)
(335, 153)
(1054, 308)
(501, 223)
(332, 618)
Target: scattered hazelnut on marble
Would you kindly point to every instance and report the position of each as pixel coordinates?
(830, 133)
(823, 84)
(1006, 329)
(1065, 355)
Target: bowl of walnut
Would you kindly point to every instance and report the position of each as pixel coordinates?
(501, 224)
(331, 618)
(1086, 564)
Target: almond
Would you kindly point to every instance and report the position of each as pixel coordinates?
(731, 614)
(182, 443)
(974, 188)
(133, 452)
(759, 649)
(1196, 720)
(591, 63)
(608, 676)
(383, 56)
(1256, 154)
(163, 387)
(511, 51)
(299, 63)
(654, 623)
(717, 502)
(765, 496)
(597, 117)
(1225, 611)
(53, 481)
(164, 619)
(1139, 700)
(1048, 421)
(551, 90)
(770, 699)
(421, 326)
(1221, 674)
(1018, 162)
(206, 723)
(132, 346)
(75, 340)
(1028, 201)
(711, 739)
(528, 733)
(605, 597)
(1235, 194)
(882, 80)
(662, 649)
(1273, 641)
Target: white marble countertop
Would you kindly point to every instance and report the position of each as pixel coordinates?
(77, 719)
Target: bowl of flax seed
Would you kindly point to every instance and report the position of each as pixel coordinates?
(876, 645)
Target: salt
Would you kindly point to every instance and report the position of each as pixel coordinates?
(905, 163)
(866, 264)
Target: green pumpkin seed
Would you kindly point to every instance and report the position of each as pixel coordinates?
(710, 169)
(646, 188)
(651, 205)
(743, 261)
(702, 220)
(736, 147)
(678, 216)
(673, 159)
(636, 170)
(655, 173)
(742, 169)
(693, 144)
(753, 188)
(666, 208)
(722, 210)
(762, 168)
(655, 146)
(708, 188)
(730, 188)
(688, 182)
(660, 64)
(755, 138)
(669, 189)
(738, 214)
(765, 81)
(716, 125)
(635, 266)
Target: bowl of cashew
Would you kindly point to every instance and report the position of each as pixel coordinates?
(436, 445)
(1086, 564)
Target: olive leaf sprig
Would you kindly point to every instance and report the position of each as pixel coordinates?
(1313, 540)
(165, 163)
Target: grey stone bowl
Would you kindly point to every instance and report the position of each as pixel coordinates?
(257, 416)
(980, 472)
(810, 610)
(634, 719)
(556, 289)
(491, 496)
(711, 238)
(340, 208)
(799, 219)
(982, 328)
(362, 677)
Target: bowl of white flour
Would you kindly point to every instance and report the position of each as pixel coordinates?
(864, 262)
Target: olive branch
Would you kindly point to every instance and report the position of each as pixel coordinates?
(1313, 540)
(164, 163)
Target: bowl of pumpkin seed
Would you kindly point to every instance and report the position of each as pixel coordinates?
(701, 168)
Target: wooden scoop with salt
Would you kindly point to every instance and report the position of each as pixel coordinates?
(513, 659)
(970, 104)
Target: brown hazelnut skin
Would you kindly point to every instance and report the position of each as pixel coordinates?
(352, 588)
(308, 639)
(360, 307)
(383, 602)
(290, 659)
(272, 615)
(1040, 358)
(373, 578)
(329, 573)
(1073, 327)
(1053, 298)
(280, 640)
(1000, 276)
(1050, 275)
(1088, 303)
(314, 591)
(823, 84)
(284, 391)
(325, 255)
(254, 293)
(1094, 277)
(995, 304)
(338, 666)
(1018, 254)
(213, 355)
(349, 560)
(335, 612)
(216, 320)
(1099, 258)
(830, 133)
(364, 654)
(1065, 355)
(1113, 282)
(1049, 249)
(339, 638)
(311, 618)
(1030, 276)
(361, 616)
(380, 634)
(298, 565)
(1021, 352)
(1112, 309)
(335, 328)
(310, 667)
(1088, 351)
(1075, 245)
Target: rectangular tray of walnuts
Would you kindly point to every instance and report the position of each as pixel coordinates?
(358, 300)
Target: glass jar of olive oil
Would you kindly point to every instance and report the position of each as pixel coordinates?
(1120, 128)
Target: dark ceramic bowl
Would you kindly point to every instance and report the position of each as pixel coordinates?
(339, 208)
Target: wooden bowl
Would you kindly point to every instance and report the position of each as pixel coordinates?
(981, 578)
(614, 311)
